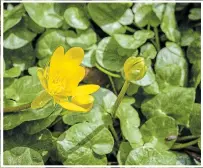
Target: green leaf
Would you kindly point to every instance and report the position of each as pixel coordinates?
(17, 37)
(150, 156)
(12, 120)
(110, 17)
(195, 14)
(85, 144)
(22, 156)
(123, 152)
(194, 56)
(144, 15)
(13, 16)
(90, 57)
(181, 104)
(130, 122)
(155, 131)
(23, 57)
(41, 142)
(49, 41)
(169, 25)
(12, 73)
(111, 55)
(104, 100)
(30, 24)
(133, 41)
(188, 36)
(171, 66)
(76, 17)
(84, 39)
(148, 51)
(44, 14)
(23, 90)
(183, 159)
(195, 120)
(33, 127)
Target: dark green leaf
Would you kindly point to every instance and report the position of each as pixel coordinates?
(181, 104)
(22, 156)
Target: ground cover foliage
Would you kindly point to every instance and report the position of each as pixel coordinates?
(158, 121)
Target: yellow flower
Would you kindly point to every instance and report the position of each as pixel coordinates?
(134, 68)
(61, 79)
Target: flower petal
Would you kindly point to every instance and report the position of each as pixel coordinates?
(41, 100)
(86, 89)
(41, 76)
(71, 106)
(84, 101)
(75, 55)
(71, 84)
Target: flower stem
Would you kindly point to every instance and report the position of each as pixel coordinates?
(130, 29)
(186, 138)
(120, 97)
(113, 131)
(113, 85)
(107, 72)
(184, 145)
(157, 38)
(17, 108)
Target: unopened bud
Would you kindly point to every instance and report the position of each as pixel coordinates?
(134, 68)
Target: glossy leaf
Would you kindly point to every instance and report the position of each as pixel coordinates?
(44, 14)
(13, 16)
(156, 130)
(169, 25)
(22, 156)
(83, 142)
(180, 106)
(150, 156)
(104, 16)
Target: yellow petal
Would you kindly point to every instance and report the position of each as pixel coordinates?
(57, 57)
(71, 106)
(41, 76)
(75, 55)
(71, 84)
(41, 100)
(84, 101)
(86, 89)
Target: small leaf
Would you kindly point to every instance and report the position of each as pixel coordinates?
(83, 142)
(41, 142)
(169, 25)
(123, 152)
(49, 41)
(76, 17)
(13, 16)
(195, 14)
(155, 131)
(22, 156)
(130, 122)
(111, 55)
(104, 16)
(44, 14)
(150, 156)
(12, 73)
(84, 39)
(181, 103)
(17, 37)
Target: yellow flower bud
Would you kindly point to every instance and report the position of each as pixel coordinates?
(134, 68)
